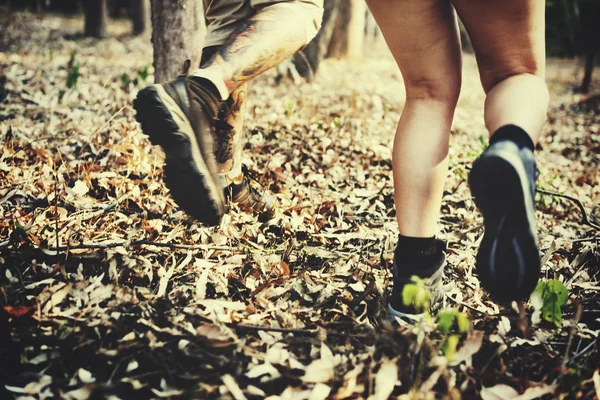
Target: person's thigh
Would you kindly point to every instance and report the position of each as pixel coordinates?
(223, 17)
(423, 37)
(507, 36)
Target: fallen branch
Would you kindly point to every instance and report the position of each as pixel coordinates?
(585, 220)
(135, 243)
(275, 329)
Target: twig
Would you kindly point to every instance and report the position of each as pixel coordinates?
(99, 246)
(523, 324)
(580, 353)
(584, 216)
(460, 303)
(276, 329)
(109, 120)
(572, 333)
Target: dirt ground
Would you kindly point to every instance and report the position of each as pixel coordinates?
(107, 289)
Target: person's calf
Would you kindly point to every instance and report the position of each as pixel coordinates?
(517, 99)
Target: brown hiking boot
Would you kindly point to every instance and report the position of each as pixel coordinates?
(248, 198)
(178, 116)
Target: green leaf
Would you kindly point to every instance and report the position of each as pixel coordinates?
(554, 295)
(449, 346)
(445, 321)
(73, 77)
(409, 293)
(562, 294)
(144, 72)
(463, 322)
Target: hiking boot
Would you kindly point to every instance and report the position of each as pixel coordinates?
(224, 134)
(248, 198)
(402, 276)
(502, 182)
(178, 116)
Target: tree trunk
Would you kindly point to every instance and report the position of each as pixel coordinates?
(177, 34)
(140, 15)
(348, 36)
(96, 18)
(588, 71)
(307, 61)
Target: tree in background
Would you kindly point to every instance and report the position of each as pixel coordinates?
(308, 59)
(96, 18)
(347, 40)
(345, 25)
(589, 38)
(140, 16)
(177, 33)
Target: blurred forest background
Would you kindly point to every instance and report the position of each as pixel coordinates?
(572, 28)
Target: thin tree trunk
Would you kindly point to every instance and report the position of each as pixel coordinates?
(177, 34)
(348, 36)
(140, 15)
(588, 71)
(307, 61)
(96, 18)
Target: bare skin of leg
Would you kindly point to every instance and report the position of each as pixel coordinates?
(231, 162)
(423, 37)
(508, 38)
(271, 36)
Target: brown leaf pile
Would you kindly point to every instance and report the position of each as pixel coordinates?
(108, 289)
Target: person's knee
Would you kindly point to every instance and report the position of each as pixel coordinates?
(492, 72)
(308, 13)
(444, 91)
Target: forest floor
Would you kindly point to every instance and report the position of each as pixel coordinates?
(107, 289)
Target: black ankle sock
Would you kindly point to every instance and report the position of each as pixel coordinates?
(514, 134)
(416, 254)
(414, 247)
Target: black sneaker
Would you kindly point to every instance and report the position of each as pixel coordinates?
(502, 182)
(402, 275)
(178, 116)
(248, 198)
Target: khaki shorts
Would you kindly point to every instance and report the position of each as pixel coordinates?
(223, 17)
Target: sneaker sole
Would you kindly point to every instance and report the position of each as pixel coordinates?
(508, 261)
(186, 174)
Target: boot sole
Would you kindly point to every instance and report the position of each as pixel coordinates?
(187, 176)
(508, 261)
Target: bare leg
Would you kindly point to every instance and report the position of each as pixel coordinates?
(229, 131)
(262, 41)
(423, 37)
(269, 37)
(508, 38)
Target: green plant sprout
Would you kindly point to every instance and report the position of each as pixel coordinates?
(451, 323)
(548, 298)
(416, 295)
(142, 74)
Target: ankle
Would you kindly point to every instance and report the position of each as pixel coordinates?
(214, 76)
(514, 134)
(418, 256)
